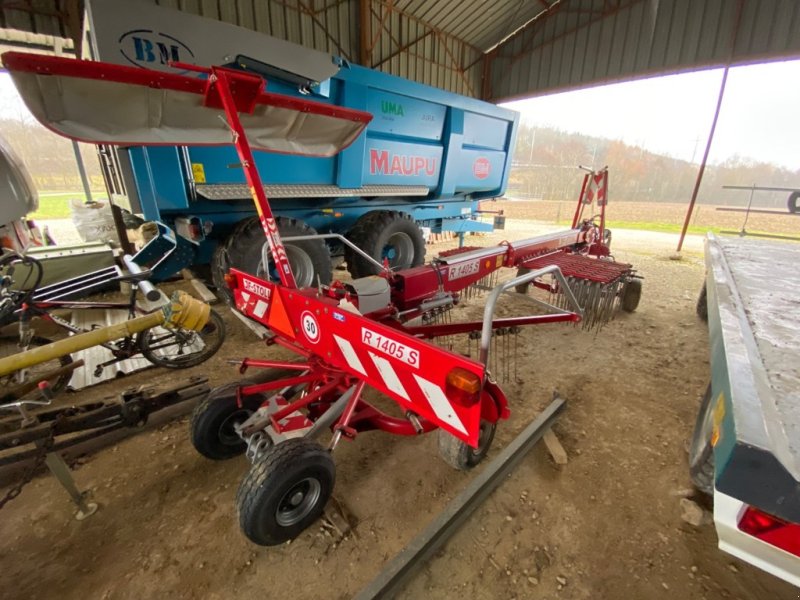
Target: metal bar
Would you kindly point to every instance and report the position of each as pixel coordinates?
(491, 301)
(257, 388)
(327, 418)
(87, 190)
(148, 289)
(399, 571)
(430, 331)
(61, 471)
(219, 80)
(722, 85)
(341, 238)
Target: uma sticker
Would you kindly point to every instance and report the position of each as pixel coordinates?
(310, 326)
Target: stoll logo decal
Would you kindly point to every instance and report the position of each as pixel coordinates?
(148, 48)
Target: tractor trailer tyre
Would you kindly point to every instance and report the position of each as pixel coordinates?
(701, 451)
(385, 234)
(794, 202)
(310, 259)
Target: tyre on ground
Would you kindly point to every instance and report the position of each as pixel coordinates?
(702, 303)
(285, 491)
(631, 294)
(310, 259)
(385, 234)
(213, 423)
(460, 455)
(701, 450)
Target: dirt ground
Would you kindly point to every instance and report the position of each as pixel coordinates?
(606, 525)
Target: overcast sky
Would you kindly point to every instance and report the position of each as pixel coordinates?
(672, 115)
(669, 115)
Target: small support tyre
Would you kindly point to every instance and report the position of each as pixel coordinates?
(212, 428)
(794, 202)
(701, 452)
(285, 492)
(182, 348)
(459, 454)
(631, 295)
(385, 234)
(9, 346)
(702, 303)
(310, 259)
(522, 288)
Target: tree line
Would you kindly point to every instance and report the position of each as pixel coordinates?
(545, 161)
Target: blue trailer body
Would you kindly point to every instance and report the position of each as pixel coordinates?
(427, 152)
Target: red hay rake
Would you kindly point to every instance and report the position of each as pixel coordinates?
(371, 332)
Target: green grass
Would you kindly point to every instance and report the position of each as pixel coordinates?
(55, 205)
(660, 227)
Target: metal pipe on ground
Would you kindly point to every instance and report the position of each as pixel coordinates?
(402, 567)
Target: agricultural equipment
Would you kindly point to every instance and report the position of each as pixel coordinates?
(370, 332)
(426, 159)
(745, 449)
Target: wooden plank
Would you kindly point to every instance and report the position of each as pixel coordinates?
(555, 448)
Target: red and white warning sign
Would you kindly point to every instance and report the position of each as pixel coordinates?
(310, 326)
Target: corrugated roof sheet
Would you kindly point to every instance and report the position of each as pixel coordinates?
(588, 42)
(544, 45)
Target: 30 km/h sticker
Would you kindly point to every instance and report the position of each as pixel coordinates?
(310, 326)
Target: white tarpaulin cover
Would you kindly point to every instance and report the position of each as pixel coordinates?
(113, 104)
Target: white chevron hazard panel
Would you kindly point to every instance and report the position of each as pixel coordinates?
(389, 375)
(439, 403)
(350, 354)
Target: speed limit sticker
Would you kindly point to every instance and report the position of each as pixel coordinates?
(310, 326)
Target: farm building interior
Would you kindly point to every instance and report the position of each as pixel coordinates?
(331, 318)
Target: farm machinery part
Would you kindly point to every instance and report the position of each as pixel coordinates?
(372, 332)
(183, 311)
(37, 432)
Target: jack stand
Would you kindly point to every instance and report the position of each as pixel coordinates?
(60, 471)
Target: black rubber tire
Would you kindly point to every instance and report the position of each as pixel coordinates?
(794, 202)
(9, 347)
(372, 232)
(462, 456)
(284, 468)
(631, 295)
(211, 427)
(522, 288)
(702, 303)
(213, 334)
(701, 453)
(242, 250)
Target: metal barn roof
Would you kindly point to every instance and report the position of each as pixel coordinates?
(495, 49)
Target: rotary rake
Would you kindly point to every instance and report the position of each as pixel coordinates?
(374, 332)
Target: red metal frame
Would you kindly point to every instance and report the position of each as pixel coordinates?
(340, 348)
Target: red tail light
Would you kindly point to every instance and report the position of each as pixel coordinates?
(772, 530)
(230, 280)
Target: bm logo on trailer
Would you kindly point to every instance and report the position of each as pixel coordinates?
(148, 48)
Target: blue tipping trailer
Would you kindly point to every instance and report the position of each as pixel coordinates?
(428, 154)
(426, 159)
